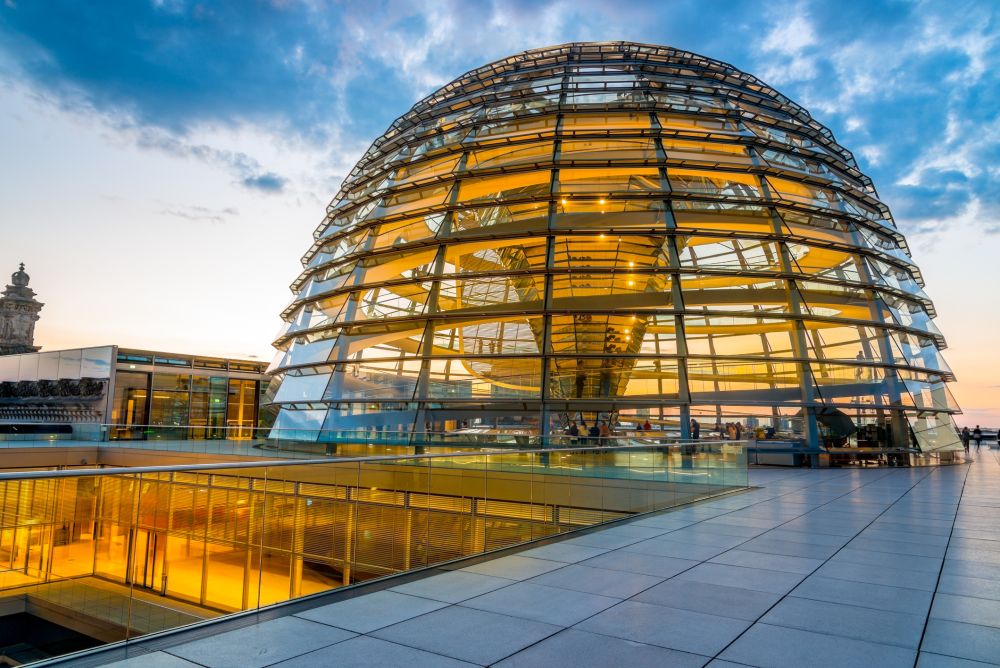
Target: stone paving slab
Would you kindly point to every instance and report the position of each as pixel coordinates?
(260, 645)
(851, 567)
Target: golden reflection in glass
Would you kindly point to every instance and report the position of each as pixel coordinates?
(519, 246)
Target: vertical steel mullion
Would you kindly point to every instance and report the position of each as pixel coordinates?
(798, 340)
(893, 384)
(546, 343)
(680, 335)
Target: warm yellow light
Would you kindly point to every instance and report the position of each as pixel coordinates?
(602, 201)
(563, 200)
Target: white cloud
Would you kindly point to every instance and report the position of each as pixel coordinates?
(872, 154)
(957, 151)
(791, 36)
(788, 44)
(969, 35)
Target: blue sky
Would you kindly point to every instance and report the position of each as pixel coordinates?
(165, 162)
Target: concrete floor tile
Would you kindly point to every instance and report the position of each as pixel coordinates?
(966, 586)
(930, 660)
(789, 548)
(564, 552)
(452, 587)
(602, 540)
(468, 635)
(864, 594)
(668, 522)
(514, 567)
(873, 544)
(965, 641)
(552, 605)
(740, 525)
(975, 543)
(644, 564)
(904, 536)
(974, 554)
(698, 535)
(371, 611)
(260, 644)
(667, 627)
(772, 582)
(672, 548)
(906, 562)
(971, 569)
(633, 531)
(364, 651)
(884, 576)
(153, 660)
(782, 647)
(966, 609)
(807, 537)
(980, 534)
(772, 562)
(849, 621)
(580, 649)
(602, 581)
(711, 599)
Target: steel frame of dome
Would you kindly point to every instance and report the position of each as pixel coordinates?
(610, 228)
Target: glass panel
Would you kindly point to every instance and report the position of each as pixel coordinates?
(425, 169)
(403, 232)
(706, 216)
(739, 186)
(604, 151)
(696, 123)
(413, 200)
(705, 151)
(509, 186)
(302, 388)
(505, 156)
(594, 180)
(576, 123)
(129, 405)
(633, 252)
(732, 254)
(524, 126)
(507, 219)
(69, 364)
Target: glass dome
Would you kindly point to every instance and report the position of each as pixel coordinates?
(612, 231)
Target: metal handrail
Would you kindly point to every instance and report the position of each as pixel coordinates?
(77, 473)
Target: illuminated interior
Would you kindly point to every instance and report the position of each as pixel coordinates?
(612, 232)
(224, 539)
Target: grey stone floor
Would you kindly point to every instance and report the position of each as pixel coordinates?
(877, 567)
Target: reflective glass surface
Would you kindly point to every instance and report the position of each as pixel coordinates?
(613, 233)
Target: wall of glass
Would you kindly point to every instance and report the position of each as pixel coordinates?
(183, 406)
(620, 233)
(227, 538)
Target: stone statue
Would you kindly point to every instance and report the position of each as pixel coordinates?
(18, 315)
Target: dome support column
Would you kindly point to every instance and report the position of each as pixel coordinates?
(680, 338)
(800, 344)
